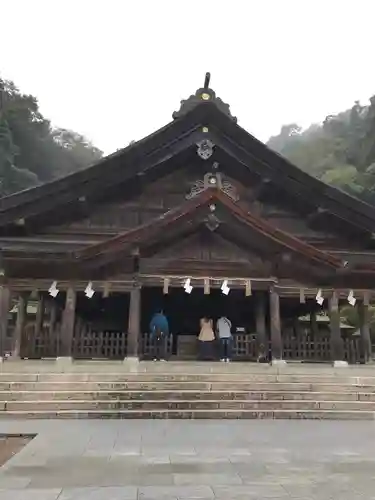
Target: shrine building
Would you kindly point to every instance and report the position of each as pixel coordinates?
(199, 218)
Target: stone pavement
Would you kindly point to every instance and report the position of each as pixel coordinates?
(228, 460)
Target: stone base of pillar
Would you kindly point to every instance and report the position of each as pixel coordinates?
(340, 364)
(8, 357)
(132, 363)
(13, 357)
(278, 362)
(64, 360)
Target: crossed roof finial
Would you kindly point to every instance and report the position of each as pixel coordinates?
(207, 80)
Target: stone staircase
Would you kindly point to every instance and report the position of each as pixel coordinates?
(182, 391)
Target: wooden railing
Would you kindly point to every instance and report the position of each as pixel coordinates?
(109, 344)
(95, 344)
(146, 346)
(305, 349)
(42, 344)
(245, 347)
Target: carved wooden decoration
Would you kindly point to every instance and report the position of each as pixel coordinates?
(213, 180)
(212, 222)
(197, 188)
(229, 190)
(205, 149)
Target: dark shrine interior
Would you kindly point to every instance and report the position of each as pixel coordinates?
(107, 313)
(183, 310)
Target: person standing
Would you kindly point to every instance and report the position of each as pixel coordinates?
(159, 329)
(206, 339)
(224, 330)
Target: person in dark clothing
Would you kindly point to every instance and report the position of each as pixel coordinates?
(159, 329)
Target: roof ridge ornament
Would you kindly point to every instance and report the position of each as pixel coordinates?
(207, 81)
(204, 94)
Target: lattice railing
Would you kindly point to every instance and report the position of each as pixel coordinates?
(305, 349)
(146, 346)
(245, 347)
(99, 344)
(42, 344)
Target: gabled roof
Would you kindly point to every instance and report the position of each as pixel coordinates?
(201, 111)
(128, 239)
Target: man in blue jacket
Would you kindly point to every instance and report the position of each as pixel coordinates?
(159, 329)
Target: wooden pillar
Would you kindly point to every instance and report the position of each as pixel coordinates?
(313, 325)
(260, 325)
(18, 333)
(4, 314)
(39, 318)
(68, 322)
(364, 327)
(52, 317)
(337, 345)
(275, 325)
(53, 340)
(134, 325)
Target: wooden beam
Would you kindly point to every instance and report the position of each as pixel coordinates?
(134, 323)
(39, 319)
(275, 324)
(337, 345)
(4, 314)
(260, 325)
(314, 216)
(68, 322)
(260, 189)
(18, 333)
(52, 306)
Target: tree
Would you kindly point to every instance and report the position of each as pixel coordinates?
(31, 151)
(340, 151)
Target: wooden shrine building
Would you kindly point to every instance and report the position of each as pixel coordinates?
(202, 200)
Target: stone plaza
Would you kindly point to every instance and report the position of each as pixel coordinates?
(169, 460)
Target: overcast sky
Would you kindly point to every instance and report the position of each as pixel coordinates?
(116, 70)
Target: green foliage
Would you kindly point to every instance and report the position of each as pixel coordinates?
(340, 151)
(31, 151)
(349, 315)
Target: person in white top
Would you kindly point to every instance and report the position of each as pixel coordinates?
(224, 331)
